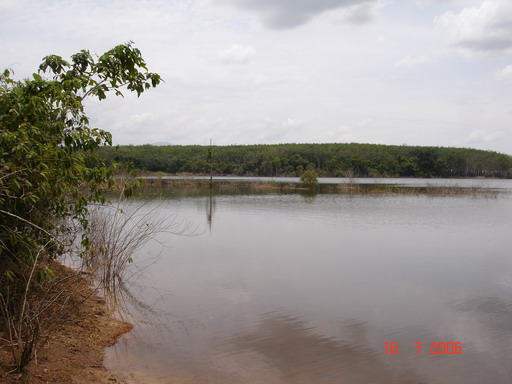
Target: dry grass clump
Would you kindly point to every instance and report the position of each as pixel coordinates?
(115, 233)
(76, 334)
(351, 189)
(44, 305)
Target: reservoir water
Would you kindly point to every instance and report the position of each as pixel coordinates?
(288, 287)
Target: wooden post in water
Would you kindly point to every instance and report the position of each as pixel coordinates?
(210, 159)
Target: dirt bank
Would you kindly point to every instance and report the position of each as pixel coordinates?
(75, 352)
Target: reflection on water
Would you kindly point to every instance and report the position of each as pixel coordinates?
(297, 289)
(210, 209)
(417, 182)
(299, 356)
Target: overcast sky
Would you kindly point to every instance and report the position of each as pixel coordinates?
(418, 72)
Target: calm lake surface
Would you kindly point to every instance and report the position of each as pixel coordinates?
(290, 288)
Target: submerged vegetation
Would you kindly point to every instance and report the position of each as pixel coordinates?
(428, 190)
(338, 160)
(188, 186)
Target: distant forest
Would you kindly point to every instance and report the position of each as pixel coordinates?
(361, 160)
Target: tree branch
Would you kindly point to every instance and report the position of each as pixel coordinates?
(31, 224)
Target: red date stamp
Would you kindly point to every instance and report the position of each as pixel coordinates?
(438, 348)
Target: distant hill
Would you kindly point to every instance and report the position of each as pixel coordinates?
(352, 159)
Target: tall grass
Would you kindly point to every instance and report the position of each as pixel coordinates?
(116, 232)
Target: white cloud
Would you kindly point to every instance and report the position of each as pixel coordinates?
(363, 123)
(292, 123)
(358, 13)
(237, 54)
(7, 5)
(274, 86)
(504, 74)
(482, 136)
(284, 14)
(343, 134)
(479, 30)
(141, 118)
(409, 62)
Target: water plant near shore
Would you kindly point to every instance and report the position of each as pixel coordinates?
(116, 232)
(347, 186)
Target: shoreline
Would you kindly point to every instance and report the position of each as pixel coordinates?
(75, 352)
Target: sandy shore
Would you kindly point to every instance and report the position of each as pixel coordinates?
(75, 352)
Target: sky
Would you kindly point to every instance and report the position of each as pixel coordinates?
(418, 72)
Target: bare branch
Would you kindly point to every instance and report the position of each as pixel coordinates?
(31, 224)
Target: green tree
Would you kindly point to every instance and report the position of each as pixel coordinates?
(309, 178)
(45, 142)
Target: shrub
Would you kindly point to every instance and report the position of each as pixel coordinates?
(309, 178)
(45, 143)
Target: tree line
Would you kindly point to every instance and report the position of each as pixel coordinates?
(336, 160)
